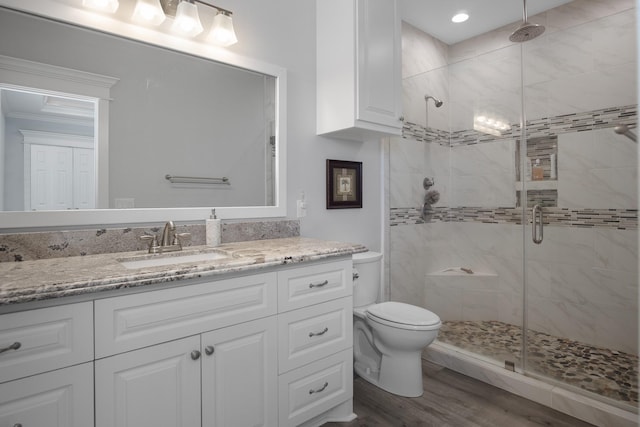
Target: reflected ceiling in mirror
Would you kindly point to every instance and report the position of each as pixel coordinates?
(170, 113)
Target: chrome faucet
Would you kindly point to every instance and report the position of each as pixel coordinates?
(166, 239)
(170, 241)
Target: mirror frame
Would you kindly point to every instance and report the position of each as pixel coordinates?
(67, 13)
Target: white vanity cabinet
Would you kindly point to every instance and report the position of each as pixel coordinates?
(359, 82)
(209, 374)
(266, 349)
(315, 339)
(46, 369)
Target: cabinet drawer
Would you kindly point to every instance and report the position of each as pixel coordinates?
(314, 332)
(46, 339)
(300, 287)
(313, 389)
(60, 398)
(136, 321)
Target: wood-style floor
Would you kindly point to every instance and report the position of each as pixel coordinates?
(450, 400)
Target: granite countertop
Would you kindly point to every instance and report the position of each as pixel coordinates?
(46, 279)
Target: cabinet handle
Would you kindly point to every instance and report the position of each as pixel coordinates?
(321, 389)
(318, 285)
(537, 223)
(195, 354)
(16, 345)
(17, 425)
(209, 350)
(315, 334)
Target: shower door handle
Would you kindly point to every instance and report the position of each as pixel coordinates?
(537, 225)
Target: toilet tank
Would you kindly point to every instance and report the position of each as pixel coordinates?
(366, 266)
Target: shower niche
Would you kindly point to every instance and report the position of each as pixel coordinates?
(540, 174)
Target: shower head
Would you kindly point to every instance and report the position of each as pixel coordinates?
(526, 31)
(435, 100)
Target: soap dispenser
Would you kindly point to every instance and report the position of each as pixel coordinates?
(213, 230)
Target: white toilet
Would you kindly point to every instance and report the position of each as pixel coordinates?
(388, 338)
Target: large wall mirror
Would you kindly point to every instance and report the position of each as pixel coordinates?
(112, 125)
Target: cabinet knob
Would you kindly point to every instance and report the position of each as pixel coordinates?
(16, 345)
(195, 354)
(209, 350)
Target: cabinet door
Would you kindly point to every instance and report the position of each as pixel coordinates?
(157, 386)
(239, 375)
(62, 398)
(379, 67)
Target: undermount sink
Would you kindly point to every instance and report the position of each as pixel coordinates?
(144, 261)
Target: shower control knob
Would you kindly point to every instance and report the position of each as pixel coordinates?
(401, 118)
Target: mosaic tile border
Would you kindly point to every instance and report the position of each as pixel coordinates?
(543, 127)
(620, 219)
(547, 127)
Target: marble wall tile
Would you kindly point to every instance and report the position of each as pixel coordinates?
(444, 301)
(479, 305)
(616, 249)
(421, 52)
(414, 89)
(579, 12)
(406, 155)
(615, 328)
(563, 319)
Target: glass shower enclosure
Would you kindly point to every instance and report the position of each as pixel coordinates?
(530, 253)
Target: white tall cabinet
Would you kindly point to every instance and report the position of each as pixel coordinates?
(359, 82)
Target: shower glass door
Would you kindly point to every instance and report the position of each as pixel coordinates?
(581, 249)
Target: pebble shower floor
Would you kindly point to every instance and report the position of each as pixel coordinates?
(609, 373)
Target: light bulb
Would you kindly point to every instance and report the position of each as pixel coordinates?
(102, 5)
(187, 20)
(148, 12)
(222, 32)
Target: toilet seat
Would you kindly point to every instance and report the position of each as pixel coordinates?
(403, 316)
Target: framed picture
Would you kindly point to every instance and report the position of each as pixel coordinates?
(344, 184)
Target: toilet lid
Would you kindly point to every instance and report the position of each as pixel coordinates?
(404, 314)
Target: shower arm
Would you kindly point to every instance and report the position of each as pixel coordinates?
(626, 131)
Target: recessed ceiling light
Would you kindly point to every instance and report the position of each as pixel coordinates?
(460, 17)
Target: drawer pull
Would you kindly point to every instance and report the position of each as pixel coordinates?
(16, 345)
(321, 389)
(195, 355)
(316, 334)
(17, 425)
(318, 285)
(209, 350)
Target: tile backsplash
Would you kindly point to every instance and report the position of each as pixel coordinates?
(57, 244)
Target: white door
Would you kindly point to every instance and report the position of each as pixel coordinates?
(157, 386)
(51, 177)
(379, 67)
(239, 375)
(84, 194)
(61, 398)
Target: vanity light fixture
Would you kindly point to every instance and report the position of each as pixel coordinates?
(187, 21)
(109, 6)
(148, 12)
(222, 32)
(460, 17)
